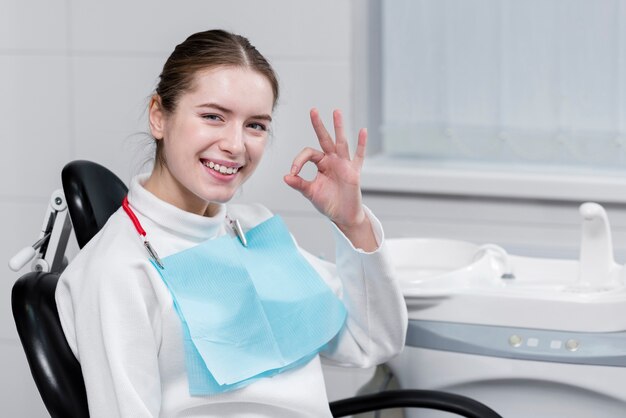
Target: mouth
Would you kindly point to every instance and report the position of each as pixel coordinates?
(227, 169)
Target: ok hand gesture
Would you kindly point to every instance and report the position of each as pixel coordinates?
(335, 191)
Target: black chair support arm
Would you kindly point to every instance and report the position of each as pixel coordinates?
(413, 398)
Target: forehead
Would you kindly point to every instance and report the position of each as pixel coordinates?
(233, 87)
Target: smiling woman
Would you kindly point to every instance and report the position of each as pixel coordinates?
(213, 140)
(225, 316)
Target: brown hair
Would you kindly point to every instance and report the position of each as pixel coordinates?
(202, 51)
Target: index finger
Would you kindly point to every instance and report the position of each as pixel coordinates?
(324, 138)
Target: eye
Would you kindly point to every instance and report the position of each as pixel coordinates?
(211, 116)
(257, 126)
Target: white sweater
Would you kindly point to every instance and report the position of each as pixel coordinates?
(119, 319)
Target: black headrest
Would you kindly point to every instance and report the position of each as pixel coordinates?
(93, 193)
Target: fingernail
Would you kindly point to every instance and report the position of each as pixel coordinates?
(294, 169)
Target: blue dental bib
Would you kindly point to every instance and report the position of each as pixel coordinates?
(249, 312)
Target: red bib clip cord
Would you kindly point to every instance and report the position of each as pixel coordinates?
(153, 254)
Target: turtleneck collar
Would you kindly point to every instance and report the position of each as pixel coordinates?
(171, 217)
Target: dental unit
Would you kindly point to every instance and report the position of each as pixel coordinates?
(531, 337)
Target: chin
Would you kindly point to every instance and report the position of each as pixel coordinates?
(221, 198)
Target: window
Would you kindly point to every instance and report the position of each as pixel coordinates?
(497, 97)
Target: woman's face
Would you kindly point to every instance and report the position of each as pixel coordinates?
(214, 139)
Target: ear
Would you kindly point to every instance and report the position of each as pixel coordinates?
(156, 117)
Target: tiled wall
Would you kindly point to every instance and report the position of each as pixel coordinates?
(74, 80)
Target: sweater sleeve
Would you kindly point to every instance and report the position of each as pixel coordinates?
(111, 320)
(376, 325)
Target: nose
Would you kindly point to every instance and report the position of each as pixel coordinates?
(233, 140)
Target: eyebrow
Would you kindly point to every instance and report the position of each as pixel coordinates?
(229, 111)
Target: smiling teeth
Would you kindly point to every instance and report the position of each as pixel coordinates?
(221, 168)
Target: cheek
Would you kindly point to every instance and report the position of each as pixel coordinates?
(256, 150)
(180, 142)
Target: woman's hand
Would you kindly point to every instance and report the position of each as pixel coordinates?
(335, 191)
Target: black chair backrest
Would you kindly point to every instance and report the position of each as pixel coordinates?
(93, 193)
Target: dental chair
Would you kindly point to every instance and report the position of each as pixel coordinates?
(91, 193)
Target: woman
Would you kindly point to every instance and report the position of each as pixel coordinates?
(220, 315)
